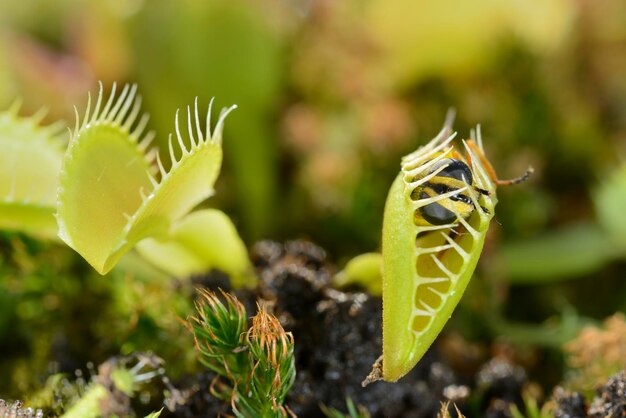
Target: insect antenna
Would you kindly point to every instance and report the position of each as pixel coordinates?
(516, 180)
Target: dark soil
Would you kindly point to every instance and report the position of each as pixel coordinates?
(569, 404)
(338, 337)
(611, 399)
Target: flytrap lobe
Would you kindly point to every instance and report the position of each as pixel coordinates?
(30, 159)
(436, 218)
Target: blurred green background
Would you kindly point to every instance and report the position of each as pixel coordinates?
(331, 94)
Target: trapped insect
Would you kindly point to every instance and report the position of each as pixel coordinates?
(436, 218)
(453, 176)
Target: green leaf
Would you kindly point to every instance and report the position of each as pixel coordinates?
(353, 411)
(88, 406)
(365, 270)
(578, 249)
(155, 414)
(30, 161)
(610, 201)
(124, 380)
(202, 240)
(109, 199)
(566, 253)
(532, 409)
(553, 333)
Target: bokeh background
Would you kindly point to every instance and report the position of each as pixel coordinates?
(331, 94)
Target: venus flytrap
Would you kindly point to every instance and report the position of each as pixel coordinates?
(115, 192)
(436, 219)
(109, 198)
(30, 160)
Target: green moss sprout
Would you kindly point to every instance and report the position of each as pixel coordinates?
(255, 365)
